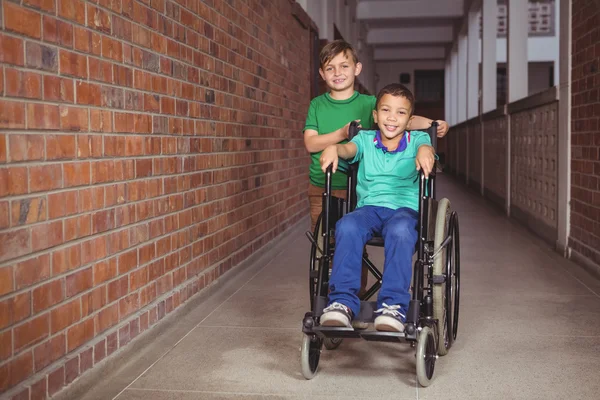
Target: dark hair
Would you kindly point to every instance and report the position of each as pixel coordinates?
(333, 49)
(398, 90)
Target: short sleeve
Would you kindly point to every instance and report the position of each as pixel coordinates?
(311, 117)
(359, 142)
(420, 138)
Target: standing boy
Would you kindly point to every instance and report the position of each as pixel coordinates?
(388, 195)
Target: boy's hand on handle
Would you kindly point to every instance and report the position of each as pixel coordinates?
(425, 160)
(442, 128)
(347, 128)
(329, 157)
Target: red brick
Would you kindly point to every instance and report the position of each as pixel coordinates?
(128, 261)
(117, 289)
(112, 49)
(112, 343)
(103, 171)
(43, 116)
(6, 345)
(89, 145)
(31, 332)
(12, 115)
(16, 370)
(99, 19)
(47, 235)
(47, 295)
(101, 70)
(3, 147)
(58, 32)
(76, 174)
(56, 378)
(49, 351)
(86, 360)
(23, 84)
(22, 20)
(63, 146)
(91, 199)
(80, 334)
(79, 281)
(46, 5)
(123, 76)
(62, 204)
(39, 389)
(15, 309)
(32, 271)
(138, 278)
(26, 147)
(45, 178)
(28, 211)
(99, 350)
(4, 214)
(106, 318)
(83, 39)
(11, 51)
(73, 64)
(88, 93)
(93, 301)
(65, 315)
(71, 370)
(42, 57)
(73, 119)
(14, 244)
(58, 89)
(73, 10)
(101, 121)
(7, 283)
(67, 259)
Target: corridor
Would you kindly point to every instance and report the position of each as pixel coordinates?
(529, 329)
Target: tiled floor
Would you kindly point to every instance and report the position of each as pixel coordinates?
(529, 329)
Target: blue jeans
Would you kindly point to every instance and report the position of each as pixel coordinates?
(399, 231)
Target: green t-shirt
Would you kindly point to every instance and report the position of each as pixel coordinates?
(326, 115)
(388, 178)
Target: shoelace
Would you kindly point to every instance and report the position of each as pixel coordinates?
(336, 306)
(390, 310)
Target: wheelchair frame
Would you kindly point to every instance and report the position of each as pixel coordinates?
(421, 328)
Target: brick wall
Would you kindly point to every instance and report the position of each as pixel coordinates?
(585, 130)
(146, 147)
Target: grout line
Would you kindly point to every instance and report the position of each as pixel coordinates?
(191, 330)
(290, 395)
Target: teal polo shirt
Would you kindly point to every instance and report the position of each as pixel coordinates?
(388, 178)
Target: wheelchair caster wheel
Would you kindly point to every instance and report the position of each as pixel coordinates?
(426, 356)
(310, 353)
(332, 343)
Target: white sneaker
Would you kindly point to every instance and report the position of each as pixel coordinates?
(336, 314)
(390, 320)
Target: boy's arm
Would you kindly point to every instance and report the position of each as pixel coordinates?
(425, 159)
(418, 122)
(315, 142)
(331, 153)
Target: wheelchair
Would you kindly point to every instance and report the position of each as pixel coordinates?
(432, 318)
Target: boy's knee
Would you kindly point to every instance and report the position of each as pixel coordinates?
(400, 231)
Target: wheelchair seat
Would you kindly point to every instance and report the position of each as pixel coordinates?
(376, 240)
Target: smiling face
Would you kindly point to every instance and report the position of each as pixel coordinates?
(392, 116)
(339, 73)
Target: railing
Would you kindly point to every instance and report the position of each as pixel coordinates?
(510, 155)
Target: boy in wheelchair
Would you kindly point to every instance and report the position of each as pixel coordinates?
(388, 204)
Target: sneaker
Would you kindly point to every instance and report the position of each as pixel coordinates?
(336, 314)
(390, 320)
(360, 325)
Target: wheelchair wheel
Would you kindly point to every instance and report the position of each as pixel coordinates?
(426, 356)
(314, 261)
(310, 353)
(332, 343)
(441, 311)
(453, 270)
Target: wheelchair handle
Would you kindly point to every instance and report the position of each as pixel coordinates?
(433, 135)
(353, 130)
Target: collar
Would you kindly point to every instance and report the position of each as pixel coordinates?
(401, 146)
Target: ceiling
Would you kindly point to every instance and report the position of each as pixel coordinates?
(411, 29)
